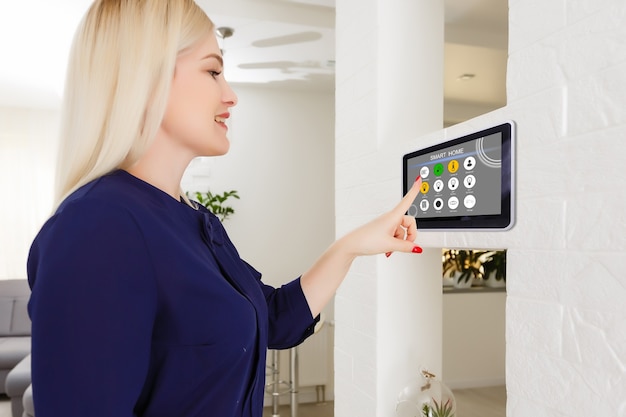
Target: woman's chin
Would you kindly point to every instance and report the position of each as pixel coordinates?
(220, 150)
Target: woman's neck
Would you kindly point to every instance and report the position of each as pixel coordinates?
(161, 167)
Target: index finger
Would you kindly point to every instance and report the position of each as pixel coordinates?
(410, 196)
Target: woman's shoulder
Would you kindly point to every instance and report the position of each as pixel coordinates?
(109, 202)
(117, 189)
(93, 231)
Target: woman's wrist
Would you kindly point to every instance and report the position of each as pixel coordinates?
(344, 249)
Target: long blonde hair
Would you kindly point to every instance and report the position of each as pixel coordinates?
(118, 80)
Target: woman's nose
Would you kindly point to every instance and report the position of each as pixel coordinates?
(229, 96)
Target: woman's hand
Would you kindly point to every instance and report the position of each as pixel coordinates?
(393, 231)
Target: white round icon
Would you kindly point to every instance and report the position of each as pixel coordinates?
(453, 183)
(424, 205)
(438, 186)
(438, 204)
(470, 201)
(453, 203)
(469, 181)
(424, 172)
(469, 163)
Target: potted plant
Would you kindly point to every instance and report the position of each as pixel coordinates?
(495, 269)
(438, 409)
(464, 266)
(426, 397)
(215, 202)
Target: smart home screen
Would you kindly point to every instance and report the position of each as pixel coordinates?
(460, 180)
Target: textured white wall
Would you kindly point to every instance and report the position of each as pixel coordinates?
(565, 331)
(566, 328)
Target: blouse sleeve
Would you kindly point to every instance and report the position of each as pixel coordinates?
(92, 307)
(289, 316)
(290, 319)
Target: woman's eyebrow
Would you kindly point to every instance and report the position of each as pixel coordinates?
(216, 56)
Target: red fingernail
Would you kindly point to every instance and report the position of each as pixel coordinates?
(418, 177)
(388, 254)
(416, 249)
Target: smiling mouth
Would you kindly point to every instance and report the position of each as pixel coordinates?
(220, 119)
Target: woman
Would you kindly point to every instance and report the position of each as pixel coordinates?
(140, 304)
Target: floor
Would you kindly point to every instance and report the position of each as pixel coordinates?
(5, 406)
(473, 402)
(481, 402)
(305, 410)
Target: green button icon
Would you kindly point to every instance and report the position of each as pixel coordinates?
(438, 169)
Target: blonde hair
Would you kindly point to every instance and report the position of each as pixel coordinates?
(118, 80)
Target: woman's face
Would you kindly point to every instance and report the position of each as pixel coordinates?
(199, 101)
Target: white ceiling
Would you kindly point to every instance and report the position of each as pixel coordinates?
(282, 43)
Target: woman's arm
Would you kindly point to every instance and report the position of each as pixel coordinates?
(391, 232)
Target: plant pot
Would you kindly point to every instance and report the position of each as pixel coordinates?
(448, 279)
(426, 397)
(462, 282)
(492, 282)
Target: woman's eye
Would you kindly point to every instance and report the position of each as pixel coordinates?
(214, 74)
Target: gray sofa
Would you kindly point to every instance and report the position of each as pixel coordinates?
(18, 388)
(14, 337)
(29, 410)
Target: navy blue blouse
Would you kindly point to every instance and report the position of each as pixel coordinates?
(141, 306)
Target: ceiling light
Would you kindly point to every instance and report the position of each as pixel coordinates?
(225, 32)
(465, 77)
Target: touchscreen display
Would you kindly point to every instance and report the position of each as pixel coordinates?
(466, 182)
(459, 180)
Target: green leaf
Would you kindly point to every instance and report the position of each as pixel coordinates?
(215, 202)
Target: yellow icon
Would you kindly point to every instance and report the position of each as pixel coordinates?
(453, 166)
(425, 187)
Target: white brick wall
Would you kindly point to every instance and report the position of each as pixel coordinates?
(566, 331)
(355, 331)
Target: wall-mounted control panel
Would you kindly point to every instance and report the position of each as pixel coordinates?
(467, 182)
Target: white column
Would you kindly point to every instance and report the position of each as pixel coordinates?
(389, 91)
(410, 38)
(409, 323)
